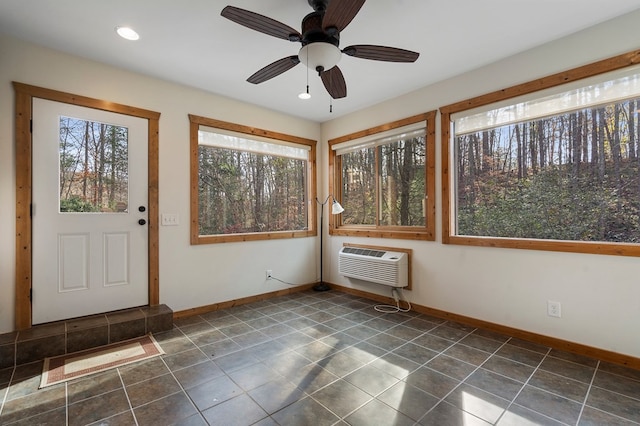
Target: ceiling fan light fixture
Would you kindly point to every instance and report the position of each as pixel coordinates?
(320, 55)
(127, 33)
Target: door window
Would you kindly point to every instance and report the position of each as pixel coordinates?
(94, 169)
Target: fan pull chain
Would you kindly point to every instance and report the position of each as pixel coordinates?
(330, 97)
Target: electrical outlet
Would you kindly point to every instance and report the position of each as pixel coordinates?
(268, 273)
(554, 309)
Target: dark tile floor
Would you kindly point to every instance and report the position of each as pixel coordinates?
(330, 358)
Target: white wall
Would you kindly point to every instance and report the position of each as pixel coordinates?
(600, 295)
(190, 276)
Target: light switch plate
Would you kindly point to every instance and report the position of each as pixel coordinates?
(169, 219)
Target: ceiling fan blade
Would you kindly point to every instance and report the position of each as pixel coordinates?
(260, 23)
(333, 81)
(340, 13)
(380, 53)
(274, 69)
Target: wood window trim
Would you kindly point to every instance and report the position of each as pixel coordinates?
(195, 122)
(395, 232)
(600, 67)
(24, 95)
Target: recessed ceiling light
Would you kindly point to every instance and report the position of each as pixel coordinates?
(128, 33)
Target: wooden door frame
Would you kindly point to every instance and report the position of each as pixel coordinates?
(24, 95)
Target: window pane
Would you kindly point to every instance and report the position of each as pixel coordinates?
(242, 192)
(571, 176)
(402, 173)
(359, 187)
(94, 174)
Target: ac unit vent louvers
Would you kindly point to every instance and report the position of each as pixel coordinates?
(363, 252)
(377, 266)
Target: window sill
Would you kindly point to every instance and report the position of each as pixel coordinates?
(373, 232)
(588, 247)
(231, 238)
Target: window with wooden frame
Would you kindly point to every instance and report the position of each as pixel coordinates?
(384, 177)
(552, 164)
(250, 184)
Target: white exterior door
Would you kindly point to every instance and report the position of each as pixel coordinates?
(89, 215)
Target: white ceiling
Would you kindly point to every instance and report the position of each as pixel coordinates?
(188, 42)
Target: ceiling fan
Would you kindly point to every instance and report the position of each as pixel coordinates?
(320, 39)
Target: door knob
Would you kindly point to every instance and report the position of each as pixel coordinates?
(142, 222)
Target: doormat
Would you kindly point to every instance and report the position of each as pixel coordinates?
(61, 368)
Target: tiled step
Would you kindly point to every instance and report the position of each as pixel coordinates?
(58, 338)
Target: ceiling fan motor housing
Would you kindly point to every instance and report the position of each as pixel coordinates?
(312, 31)
(319, 50)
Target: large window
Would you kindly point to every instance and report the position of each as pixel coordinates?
(552, 169)
(383, 177)
(249, 184)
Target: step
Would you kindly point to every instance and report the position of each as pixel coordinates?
(62, 337)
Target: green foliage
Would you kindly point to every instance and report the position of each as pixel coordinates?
(573, 176)
(244, 192)
(75, 204)
(553, 205)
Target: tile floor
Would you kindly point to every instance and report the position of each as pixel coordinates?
(330, 358)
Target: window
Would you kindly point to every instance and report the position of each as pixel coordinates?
(384, 179)
(249, 184)
(551, 169)
(93, 167)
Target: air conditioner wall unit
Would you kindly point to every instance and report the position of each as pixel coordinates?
(377, 266)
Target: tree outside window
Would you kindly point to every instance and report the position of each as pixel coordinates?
(93, 167)
(383, 178)
(249, 187)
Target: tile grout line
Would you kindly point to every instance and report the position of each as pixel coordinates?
(126, 394)
(424, 364)
(6, 393)
(586, 396)
(184, 391)
(310, 396)
(525, 385)
(465, 378)
(66, 403)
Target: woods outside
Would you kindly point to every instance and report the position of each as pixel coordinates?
(241, 192)
(94, 171)
(385, 182)
(573, 176)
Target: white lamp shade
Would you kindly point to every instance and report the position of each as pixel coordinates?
(336, 208)
(320, 54)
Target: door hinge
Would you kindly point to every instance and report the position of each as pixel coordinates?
(31, 295)
(30, 125)
(31, 210)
